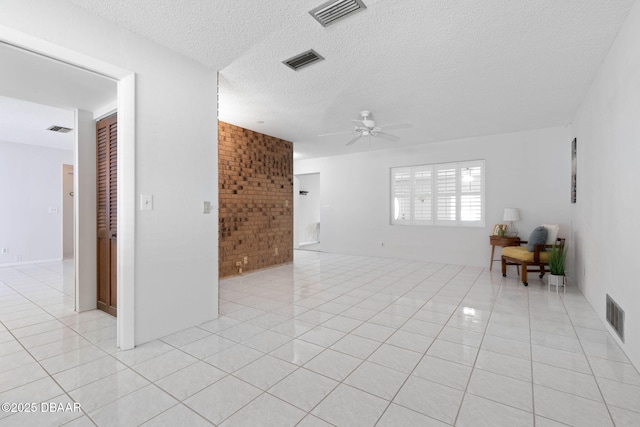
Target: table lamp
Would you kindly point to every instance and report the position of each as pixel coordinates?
(511, 214)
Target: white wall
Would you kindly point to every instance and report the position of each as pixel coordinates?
(607, 127)
(176, 252)
(527, 170)
(86, 213)
(31, 184)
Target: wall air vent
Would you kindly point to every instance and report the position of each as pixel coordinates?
(615, 317)
(306, 58)
(334, 10)
(59, 129)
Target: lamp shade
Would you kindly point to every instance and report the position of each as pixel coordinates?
(511, 214)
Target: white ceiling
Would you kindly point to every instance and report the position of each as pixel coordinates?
(453, 68)
(37, 92)
(25, 122)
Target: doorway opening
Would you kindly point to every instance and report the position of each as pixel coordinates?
(50, 58)
(307, 211)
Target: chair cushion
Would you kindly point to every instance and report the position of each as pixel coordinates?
(552, 233)
(522, 254)
(538, 237)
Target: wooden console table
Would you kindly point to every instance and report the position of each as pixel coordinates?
(502, 242)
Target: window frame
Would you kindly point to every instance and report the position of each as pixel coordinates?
(445, 195)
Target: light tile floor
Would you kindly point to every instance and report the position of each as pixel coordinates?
(329, 340)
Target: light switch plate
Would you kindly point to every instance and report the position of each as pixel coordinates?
(206, 207)
(146, 202)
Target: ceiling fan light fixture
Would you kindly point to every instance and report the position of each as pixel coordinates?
(366, 126)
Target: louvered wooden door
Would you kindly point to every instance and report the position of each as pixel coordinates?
(107, 196)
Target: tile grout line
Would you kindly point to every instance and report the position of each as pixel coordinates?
(309, 412)
(363, 360)
(475, 360)
(262, 391)
(425, 352)
(533, 389)
(65, 392)
(385, 283)
(593, 375)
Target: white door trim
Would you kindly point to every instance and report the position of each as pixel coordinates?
(126, 165)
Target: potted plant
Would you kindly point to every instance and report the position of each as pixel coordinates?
(557, 258)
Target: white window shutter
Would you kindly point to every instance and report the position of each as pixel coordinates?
(423, 195)
(440, 194)
(471, 193)
(446, 194)
(401, 182)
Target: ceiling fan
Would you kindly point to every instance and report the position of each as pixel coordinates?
(366, 126)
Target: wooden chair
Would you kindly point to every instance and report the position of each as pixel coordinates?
(520, 256)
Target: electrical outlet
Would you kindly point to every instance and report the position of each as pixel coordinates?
(276, 251)
(238, 263)
(4, 251)
(246, 260)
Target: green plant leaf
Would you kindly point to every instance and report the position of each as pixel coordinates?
(557, 258)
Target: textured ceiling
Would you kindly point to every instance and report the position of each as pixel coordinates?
(452, 68)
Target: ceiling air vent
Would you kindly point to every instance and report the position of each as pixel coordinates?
(59, 129)
(334, 10)
(306, 58)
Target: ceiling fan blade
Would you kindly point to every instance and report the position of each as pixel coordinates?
(353, 140)
(335, 133)
(397, 126)
(387, 136)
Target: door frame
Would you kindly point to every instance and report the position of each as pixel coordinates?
(125, 80)
(68, 213)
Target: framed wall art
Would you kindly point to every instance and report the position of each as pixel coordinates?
(574, 167)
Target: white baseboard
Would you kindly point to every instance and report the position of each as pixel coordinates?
(40, 261)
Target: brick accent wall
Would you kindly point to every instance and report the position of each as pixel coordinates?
(255, 199)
